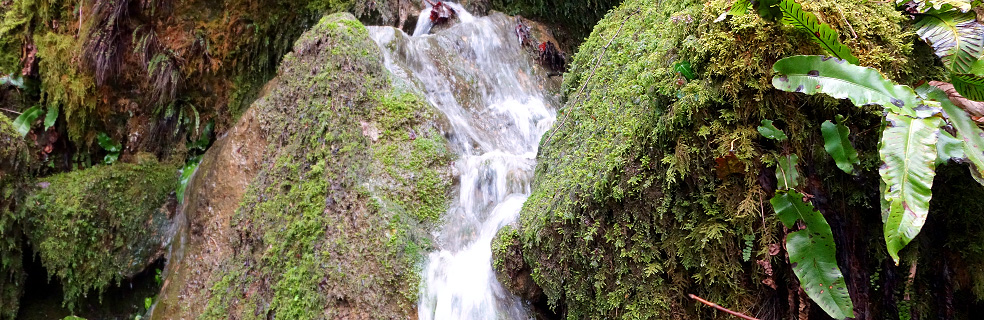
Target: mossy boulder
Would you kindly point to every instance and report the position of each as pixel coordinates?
(93, 228)
(345, 176)
(628, 213)
(14, 165)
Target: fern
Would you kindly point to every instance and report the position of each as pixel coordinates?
(955, 37)
(908, 149)
(821, 33)
(970, 86)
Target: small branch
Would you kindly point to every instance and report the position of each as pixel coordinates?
(715, 306)
(11, 111)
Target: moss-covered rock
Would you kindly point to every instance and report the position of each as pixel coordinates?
(628, 214)
(14, 162)
(95, 227)
(351, 174)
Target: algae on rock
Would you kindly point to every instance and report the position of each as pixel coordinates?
(353, 174)
(627, 215)
(93, 228)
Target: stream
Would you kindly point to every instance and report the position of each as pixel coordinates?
(498, 105)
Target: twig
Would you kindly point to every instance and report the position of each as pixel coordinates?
(588, 79)
(715, 306)
(11, 111)
(855, 34)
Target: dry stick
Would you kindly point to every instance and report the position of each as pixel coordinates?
(715, 306)
(11, 111)
(588, 79)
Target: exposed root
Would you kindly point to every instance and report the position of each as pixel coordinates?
(716, 306)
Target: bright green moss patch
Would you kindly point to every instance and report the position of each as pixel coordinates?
(14, 163)
(96, 226)
(628, 215)
(355, 175)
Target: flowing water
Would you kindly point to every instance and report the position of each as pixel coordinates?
(498, 105)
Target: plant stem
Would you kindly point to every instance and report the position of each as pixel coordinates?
(716, 306)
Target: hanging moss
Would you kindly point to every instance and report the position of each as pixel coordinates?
(627, 214)
(573, 20)
(336, 222)
(14, 162)
(95, 227)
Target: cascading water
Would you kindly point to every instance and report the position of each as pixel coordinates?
(495, 97)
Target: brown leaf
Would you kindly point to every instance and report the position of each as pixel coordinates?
(727, 165)
(974, 108)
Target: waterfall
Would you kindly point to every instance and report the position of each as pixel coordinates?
(494, 97)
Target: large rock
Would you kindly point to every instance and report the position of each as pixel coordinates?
(628, 214)
(97, 226)
(319, 202)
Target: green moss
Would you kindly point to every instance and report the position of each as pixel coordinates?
(356, 173)
(574, 19)
(627, 214)
(95, 227)
(15, 163)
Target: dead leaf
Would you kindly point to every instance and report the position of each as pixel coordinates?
(974, 108)
(727, 165)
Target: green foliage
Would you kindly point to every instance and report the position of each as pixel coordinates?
(786, 173)
(833, 77)
(955, 36)
(812, 254)
(971, 86)
(95, 227)
(684, 69)
(908, 148)
(769, 131)
(15, 169)
(836, 140)
(112, 147)
(971, 136)
(25, 121)
(821, 33)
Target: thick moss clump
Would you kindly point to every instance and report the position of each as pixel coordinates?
(95, 227)
(14, 162)
(356, 172)
(628, 214)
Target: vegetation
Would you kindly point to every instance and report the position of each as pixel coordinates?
(654, 179)
(95, 227)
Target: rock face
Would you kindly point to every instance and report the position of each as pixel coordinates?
(14, 162)
(319, 202)
(95, 227)
(628, 214)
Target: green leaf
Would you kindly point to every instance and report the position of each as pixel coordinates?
(786, 173)
(186, 173)
(834, 77)
(50, 118)
(967, 129)
(908, 149)
(812, 253)
(948, 147)
(108, 143)
(838, 145)
(955, 37)
(769, 131)
(925, 5)
(821, 33)
(970, 86)
(25, 121)
(685, 69)
(740, 7)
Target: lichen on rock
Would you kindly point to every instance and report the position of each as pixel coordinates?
(94, 227)
(627, 215)
(352, 175)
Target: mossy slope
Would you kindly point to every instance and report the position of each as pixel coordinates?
(95, 227)
(627, 214)
(355, 173)
(14, 162)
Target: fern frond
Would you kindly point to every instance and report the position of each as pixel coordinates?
(955, 37)
(821, 33)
